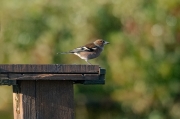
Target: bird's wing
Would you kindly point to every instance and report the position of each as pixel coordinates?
(87, 48)
(91, 46)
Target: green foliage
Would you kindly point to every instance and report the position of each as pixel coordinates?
(142, 60)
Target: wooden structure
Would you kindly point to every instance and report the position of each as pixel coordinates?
(46, 91)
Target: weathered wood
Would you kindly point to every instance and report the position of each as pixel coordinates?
(44, 100)
(48, 68)
(24, 100)
(46, 91)
(75, 73)
(50, 76)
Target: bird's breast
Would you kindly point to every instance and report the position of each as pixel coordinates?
(89, 55)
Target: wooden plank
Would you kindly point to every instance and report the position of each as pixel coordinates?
(46, 77)
(24, 93)
(44, 100)
(48, 68)
(50, 76)
(54, 100)
(91, 76)
(46, 91)
(28, 99)
(11, 79)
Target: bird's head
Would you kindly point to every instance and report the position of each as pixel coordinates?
(100, 43)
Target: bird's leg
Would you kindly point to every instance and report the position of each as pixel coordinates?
(88, 62)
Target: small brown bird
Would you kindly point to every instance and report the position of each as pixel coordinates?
(89, 51)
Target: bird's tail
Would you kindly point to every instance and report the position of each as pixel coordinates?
(65, 52)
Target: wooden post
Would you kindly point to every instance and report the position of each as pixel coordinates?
(46, 91)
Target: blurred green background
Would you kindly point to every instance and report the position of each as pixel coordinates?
(142, 60)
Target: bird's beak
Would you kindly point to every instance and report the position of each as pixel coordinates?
(106, 42)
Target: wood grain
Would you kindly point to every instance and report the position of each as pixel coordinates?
(48, 68)
(45, 100)
(46, 91)
(26, 96)
(53, 76)
(55, 100)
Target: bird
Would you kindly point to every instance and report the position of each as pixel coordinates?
(88, 51)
